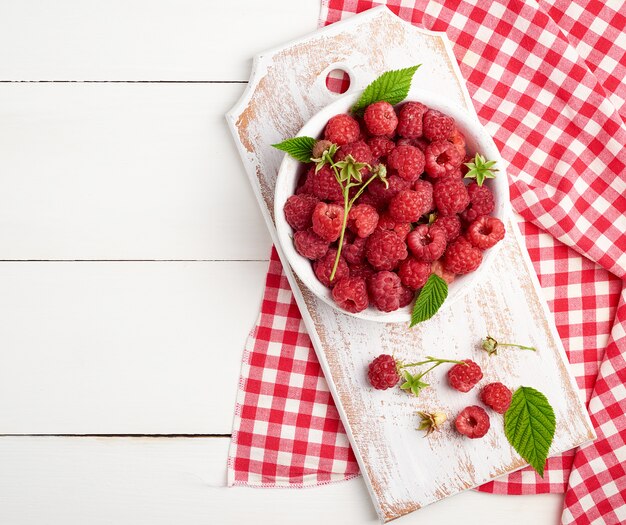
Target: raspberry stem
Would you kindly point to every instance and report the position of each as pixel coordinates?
(430, 359)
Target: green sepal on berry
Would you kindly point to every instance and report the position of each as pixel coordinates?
(326, 158)
(350, 170)
(480, 169)
(413, 383)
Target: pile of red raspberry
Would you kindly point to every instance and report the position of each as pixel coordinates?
(428, 220)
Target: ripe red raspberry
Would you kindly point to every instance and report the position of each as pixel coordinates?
(380, 118)
(450, 196)
(359, 150)
(438, 268)
(383, 194)
(325, 185)
(299, 210)
(327, 221)
(481, 202)
(369, 199)
(309, 244)
(406, 296)
(320, 147)
(401, 229)
(452, 225)
(462, 257)
(458, 139)
(436, 125)
(408, 160)
(380, 147)
(427, 243)
(353, 249)
(408, 206)
(410, 120)
(414, 273)
(363, 219)
(384, 250)
(464, 377)
(384, 289)
(421, 144)
(485, 232)
(361, 270)
(350, 293)
(497, 397)
(383, 372)
(425, 189)
(323, 268)
(472, 422)
(441, 158)
(342, 129)
(305, 183)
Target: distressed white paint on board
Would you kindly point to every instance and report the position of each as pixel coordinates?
(403, 471)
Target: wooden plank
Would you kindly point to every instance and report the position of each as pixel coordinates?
(144, 39)
(119, 348)
(162, 481)
(123, 171)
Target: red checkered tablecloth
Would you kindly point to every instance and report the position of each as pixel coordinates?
(548, 81)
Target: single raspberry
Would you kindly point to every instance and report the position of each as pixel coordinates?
(299, 211)
(427, 243)
(384, 250)
(472, 422)
(350, 293)
(384, 194)
(497, 397)
(359, 150)
(452, 225)
(408, 206)
(438, 268)
(414, 273)
(450, 196)
(380, 147)
(353, 249)
(425, 189)
(320, 147)
(380, 118)
(458, 139)
(441, 158)
(383, 372)
(342, 129)
(463, 377)
(485, 232)
(363, 219)
(462, 257)
(361, 270)
(325, 185)
(410, 120)
(384, 289)
(323, 267)
(436, 125)
(406, 296)
(408, 160)
(327, 221)
(481, 202)
(309, 244)
(401, 229)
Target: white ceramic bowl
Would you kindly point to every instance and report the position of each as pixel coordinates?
(477, 140)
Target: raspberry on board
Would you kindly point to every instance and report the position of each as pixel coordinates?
(342, 129)
(309, 244)
(384, 250)
(325, 185)
(482, 202)
(497, 397)
(299, 211)
(427, 243)
(363, 219)
(441, 158)
(384, 290)
(327, 221)
(472, 422)
(436, 125)
(408, 161)
(485, 232)
(450, 196)
(323, 267)
(380, 118)
(414, 273)
(463, 377)
(350, 293)
(410, 120)
(409, 206)
(383, 372)
(462, 257)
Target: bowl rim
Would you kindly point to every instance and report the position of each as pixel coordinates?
(467, 118)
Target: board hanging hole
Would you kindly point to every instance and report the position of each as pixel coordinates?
(338, 81)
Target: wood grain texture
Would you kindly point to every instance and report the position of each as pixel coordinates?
(404, 472)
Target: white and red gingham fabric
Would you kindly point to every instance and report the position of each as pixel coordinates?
(548, 82)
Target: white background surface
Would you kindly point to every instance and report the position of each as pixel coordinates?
(132, 259)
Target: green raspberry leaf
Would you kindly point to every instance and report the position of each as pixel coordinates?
(300, 148)
(392, 87)
(429, 300)
(529, 425)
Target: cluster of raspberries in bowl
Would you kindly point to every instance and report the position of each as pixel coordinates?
(424, 218)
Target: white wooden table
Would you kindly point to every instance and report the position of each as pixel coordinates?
(129, 278)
